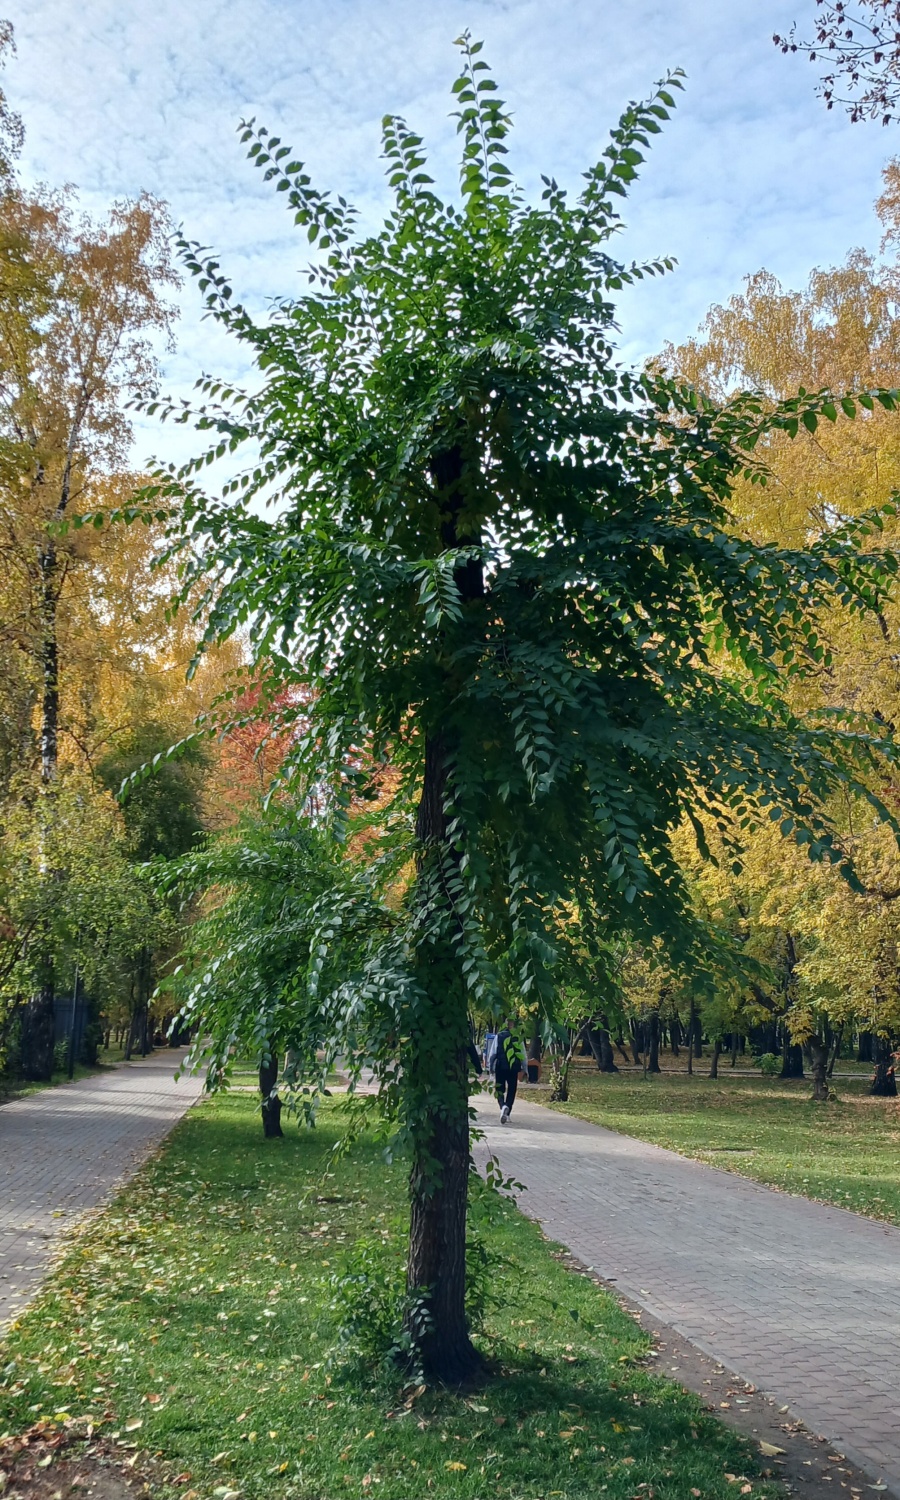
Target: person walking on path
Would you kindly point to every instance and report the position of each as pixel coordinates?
(508, 1062)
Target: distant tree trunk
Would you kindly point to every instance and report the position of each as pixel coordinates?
(147, 971)
(601, 1046)
(791, 1058)
(698, 1036)
(866, 1049)
(559, 1078)
(689, 1039)
(271, 1104)
(819, 1055)
(620, 1043)
(38, 1021)
(653, 1043)
(714, 1060)
(635, 1044)
(884, 1084)
(735, 1040)
(675, 1033)
(835, 1049)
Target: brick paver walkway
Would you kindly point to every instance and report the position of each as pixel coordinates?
(64, 1150)
(799, 1298)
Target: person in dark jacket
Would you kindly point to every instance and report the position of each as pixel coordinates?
(509, 1062)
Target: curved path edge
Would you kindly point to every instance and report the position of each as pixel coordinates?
(65, 1151)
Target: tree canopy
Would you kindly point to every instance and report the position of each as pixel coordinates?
(506, 567)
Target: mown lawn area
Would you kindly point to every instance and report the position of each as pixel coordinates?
(843, 1152)
(194, 1323)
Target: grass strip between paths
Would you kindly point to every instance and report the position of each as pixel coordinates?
(194, 1322)
(843, 1152)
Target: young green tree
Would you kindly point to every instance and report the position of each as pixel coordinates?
(505, 566)
(259, 892)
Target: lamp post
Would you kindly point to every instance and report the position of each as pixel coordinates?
(73, 1031)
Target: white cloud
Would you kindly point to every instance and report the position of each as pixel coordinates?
(120, 95)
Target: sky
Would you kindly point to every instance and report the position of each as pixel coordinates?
(120, 96)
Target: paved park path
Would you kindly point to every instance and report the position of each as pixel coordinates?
(65, 1150)
(801, 1299)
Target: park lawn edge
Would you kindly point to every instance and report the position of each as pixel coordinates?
(193, 1323)
(842, 1153)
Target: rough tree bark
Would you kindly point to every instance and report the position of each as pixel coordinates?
(438, 1057)
(439, 1177)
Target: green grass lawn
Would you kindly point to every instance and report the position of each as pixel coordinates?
(192, 1322)
(843, 1152)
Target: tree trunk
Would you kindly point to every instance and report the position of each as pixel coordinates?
(271, 1104)
(835, 1049)
(866, 1050)
(653, 1043)
(559, 1079)
(735, 1041)
(714, 1060)
(49, 663)
(884, 1084)
(437, 1091)
(697, 1036)
(147, 987)
(620, 1043)
(689, 1039)
(635, 1043)
(38, 1020)
(791, 1058)
(436, 1074)
(436, 1268)
(675, 1033)
(601, 1046)
(819, 1055)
